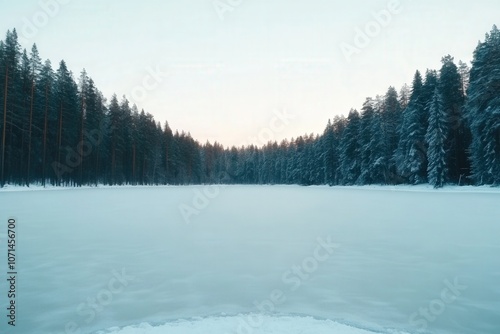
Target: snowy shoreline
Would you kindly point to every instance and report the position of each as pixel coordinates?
(403, 188)
(289, 324)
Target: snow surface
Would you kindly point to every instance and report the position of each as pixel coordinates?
(274, 325)
(396, 250)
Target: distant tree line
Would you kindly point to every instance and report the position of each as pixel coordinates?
(56, 130)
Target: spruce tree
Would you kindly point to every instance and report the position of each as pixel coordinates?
(482, 106)
(450, 88)
(367, 113)
(46, 85)
(411, 156)
(35, 112)
(10, 59)
(391, 119)
(350, 149)
(436, 137)
(329, 153)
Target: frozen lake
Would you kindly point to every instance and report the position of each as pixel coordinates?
(255, 259)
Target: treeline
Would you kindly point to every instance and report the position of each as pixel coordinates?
(56, 130)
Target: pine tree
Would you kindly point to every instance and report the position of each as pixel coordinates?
(68, 158)
(35, 66)
(391, 119)
(125, 129)
(168, 139)
(450, 88)
(10, 58)
(482, 107)
(428, 89)
(464, 71)
(329, 153)
(116, 138)
(22, 120)
(84, 92)
(436, 137)
(379, 166)
(93, 130)
(350, 149)
(404, 96)
(46, 85)
(368, 144)
(339, 126)
(411, 155)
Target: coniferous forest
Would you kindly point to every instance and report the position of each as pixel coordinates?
(57, 128)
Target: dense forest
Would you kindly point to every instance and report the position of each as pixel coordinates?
(60, 130)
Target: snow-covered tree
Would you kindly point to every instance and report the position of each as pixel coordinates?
(453, 98)
(404, 96)
(411, 156)
(373, 162)
(464, 71)
(436, 137)
(483, 103)
(350, 158)
(391, 118)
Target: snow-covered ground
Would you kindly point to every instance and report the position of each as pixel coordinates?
(255, 259)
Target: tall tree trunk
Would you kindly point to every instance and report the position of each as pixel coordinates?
(133, 165)
(166, 164)
(97, 166)
(113, 165)
(98, 150)
(2, 179)
(59, 139)
(29, 133)
(143, 169)
(22, 173)
(81, 139)
(45, 133)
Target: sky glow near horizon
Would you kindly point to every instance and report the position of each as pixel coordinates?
(223, 69)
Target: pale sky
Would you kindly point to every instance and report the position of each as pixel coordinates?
(227, 66)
